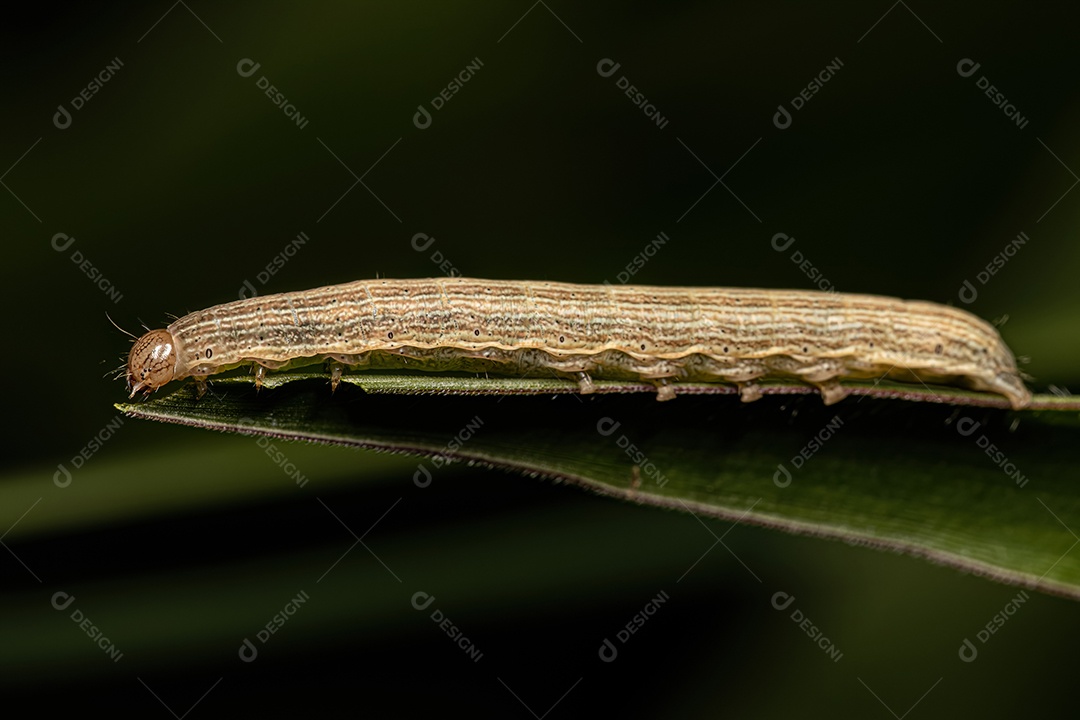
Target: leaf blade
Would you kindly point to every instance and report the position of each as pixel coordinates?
(932, 480)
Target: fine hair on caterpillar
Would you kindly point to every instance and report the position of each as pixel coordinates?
(661, 335)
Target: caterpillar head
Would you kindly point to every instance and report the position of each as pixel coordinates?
(152, 362)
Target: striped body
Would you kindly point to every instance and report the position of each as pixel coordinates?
(659, 334)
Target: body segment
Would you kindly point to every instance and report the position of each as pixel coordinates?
(660, 334)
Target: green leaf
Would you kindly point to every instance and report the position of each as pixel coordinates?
(945, 474)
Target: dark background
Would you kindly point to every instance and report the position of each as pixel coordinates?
(179, 180)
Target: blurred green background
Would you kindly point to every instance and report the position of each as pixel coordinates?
(179, 180)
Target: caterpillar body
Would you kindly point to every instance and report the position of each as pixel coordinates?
(662, 335)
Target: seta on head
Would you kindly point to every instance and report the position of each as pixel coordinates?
(152, 362)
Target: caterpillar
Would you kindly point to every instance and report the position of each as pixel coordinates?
(662, 335)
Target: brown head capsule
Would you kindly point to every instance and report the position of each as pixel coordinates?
(152, 362)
